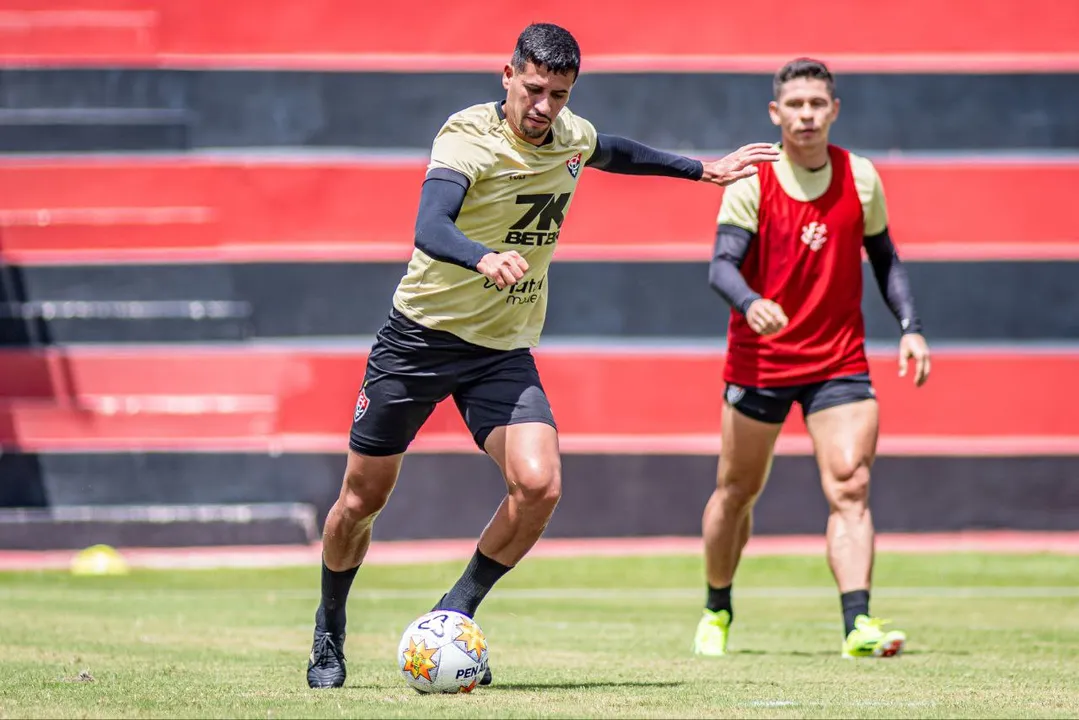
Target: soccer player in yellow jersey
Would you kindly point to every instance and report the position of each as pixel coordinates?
(469, 309)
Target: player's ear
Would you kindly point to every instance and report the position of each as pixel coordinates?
(835, 109)
(507, 75)
(773, 112)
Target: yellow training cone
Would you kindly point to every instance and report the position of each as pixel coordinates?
(98, 560)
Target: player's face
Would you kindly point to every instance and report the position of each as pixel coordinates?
(534, 97)
(804, 112)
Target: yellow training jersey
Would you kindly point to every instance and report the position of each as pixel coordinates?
(517, 200)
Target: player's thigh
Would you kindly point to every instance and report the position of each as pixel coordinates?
(502, 390)
(745, 457)
(506, 409)
(842, 417)
(843, 422)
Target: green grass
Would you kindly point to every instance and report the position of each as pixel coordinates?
(990, 636)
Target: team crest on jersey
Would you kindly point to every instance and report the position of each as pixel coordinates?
(574, 164)
(362, 403)
(814, 235)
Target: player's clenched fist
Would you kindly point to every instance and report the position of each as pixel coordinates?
(766, 317)
(503, 269)
(741, 163)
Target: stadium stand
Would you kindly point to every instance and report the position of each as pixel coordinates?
(201, 224)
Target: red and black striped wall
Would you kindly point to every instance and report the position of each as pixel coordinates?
(202, 219)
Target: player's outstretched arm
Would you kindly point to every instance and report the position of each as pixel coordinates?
(741, 163)
(894, 284)
(438, 236)
(629, 157)
(732, 243)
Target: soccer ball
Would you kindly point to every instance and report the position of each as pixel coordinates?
(442, 652)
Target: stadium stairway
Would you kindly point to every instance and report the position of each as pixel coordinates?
(965, 35)
(201, 225)
(185, 208)
(606, 399)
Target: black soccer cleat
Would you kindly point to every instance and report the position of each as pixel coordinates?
(326, 666)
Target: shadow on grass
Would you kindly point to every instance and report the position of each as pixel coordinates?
(789, 653)
(529, 687)
(584, 684)
(832, 653)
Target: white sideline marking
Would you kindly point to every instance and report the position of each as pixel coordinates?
(618, 595)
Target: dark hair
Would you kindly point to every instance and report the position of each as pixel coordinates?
(804, 68)
(549, 46)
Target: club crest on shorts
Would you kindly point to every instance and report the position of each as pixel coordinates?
(361, 404)
(574, 164)
(735, 393)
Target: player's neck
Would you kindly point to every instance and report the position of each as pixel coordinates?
(517, 133)
(524, 138)
(813, 158)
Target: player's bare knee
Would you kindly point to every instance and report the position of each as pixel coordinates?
(367, 484)
(362, 497)
(537, 482)
(849, 487)
(738, 490)
(360, 506)
(738, 497)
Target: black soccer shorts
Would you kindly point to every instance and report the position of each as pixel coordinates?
(771, 405)
(412, 368)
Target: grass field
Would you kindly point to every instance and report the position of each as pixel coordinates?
(990, 636)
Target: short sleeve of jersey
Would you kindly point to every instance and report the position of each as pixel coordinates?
(741, 204)
(461, 146)
(588, 134)
(871, 195)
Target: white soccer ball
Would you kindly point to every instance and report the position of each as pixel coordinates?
(442, 652)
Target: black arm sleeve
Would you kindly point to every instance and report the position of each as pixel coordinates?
(441, 198)
(724, 275)
(892, 279)
(621, 155)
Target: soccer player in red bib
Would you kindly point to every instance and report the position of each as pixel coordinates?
(788, 260)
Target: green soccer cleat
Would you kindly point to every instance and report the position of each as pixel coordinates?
(712, 633)
(868, 639)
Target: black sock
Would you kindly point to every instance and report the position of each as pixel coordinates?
(478, 579)
(331, 610)
(855, 603)
(719, 599)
